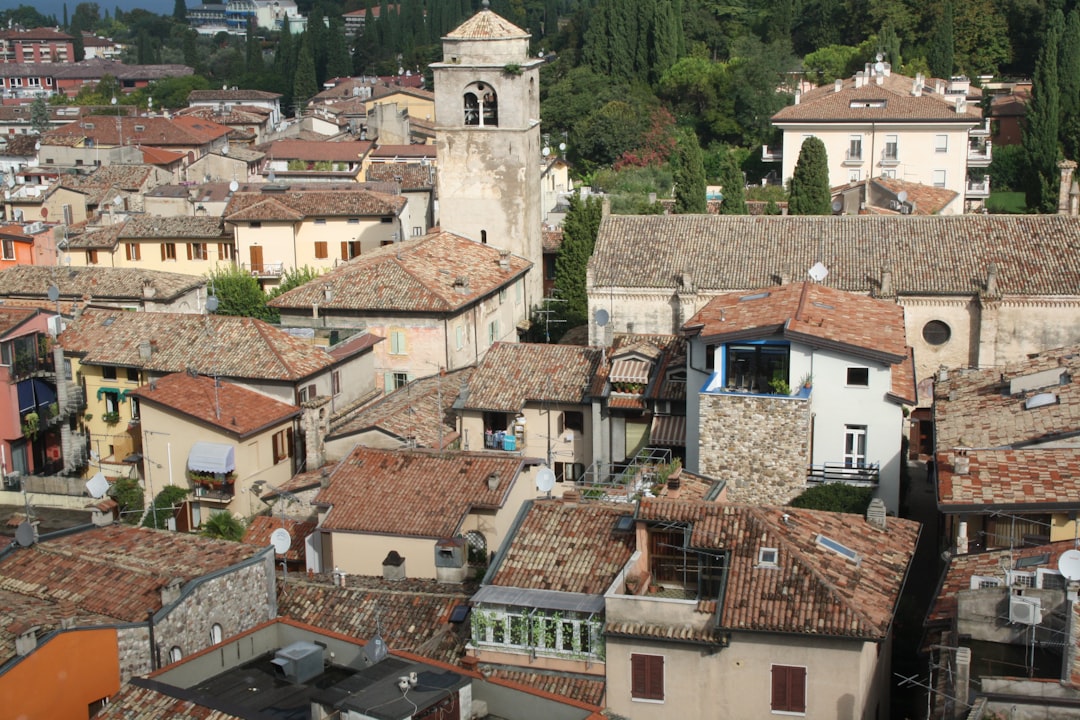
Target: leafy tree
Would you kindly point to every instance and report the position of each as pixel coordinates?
(809, 192)
(179, 12)
(164, 507)
(940, 52)
(39, 115)
(836, 497)
(756, 73)
(304, 83)
(602, 138)
(27, 16)
(77, 46)
(129, 496)
(982, 39)
(772, 208)
(633, 39)
(1008, 167)
(689, 175)
(87, 15)
(172, 92)
(238, 293)
(338, 62)
(580, 227)
(223, 526)
(732, 186)
(831, 62)
(1042, 122)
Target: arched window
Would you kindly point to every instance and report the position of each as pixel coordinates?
(483, 237)
(175, 654)
(481, 105)
(215, 634)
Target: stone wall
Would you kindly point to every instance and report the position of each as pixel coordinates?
(758, 444)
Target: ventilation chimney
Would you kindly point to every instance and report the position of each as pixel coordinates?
(493, 481)
(170, 591)
(146, 350)
(1067, 168)
(961, 105)
(875, 513)
(461, 285)
(886, 284)
(504, 259)
(838, 85)
(798, 96)
(328, 292)
(961, 463)
(916, 88)
(992, 280)
(25, 639)
(148, 289)
(939, 87)
(393, 567)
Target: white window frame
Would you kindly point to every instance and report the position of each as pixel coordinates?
(854, 446)
(941, 143)
(893, 140)
(854, 147)
(940, 178)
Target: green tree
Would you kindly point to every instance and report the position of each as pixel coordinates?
(832, 62)
(732, 186)
(1069, 83)
(129, 496)
(238, 293)
(179, 12)
(1042, 123)
(77, 46)
(164, 507)
(172, 92)
(890, 45)
(224, 526)
(338, 62)
(602, 138)
(836, 497)
(809, 191)
(580, 227)
(304, 83)
(940, 52)
(39, 115)
(689, 175)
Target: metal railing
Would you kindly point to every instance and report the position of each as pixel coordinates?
(830, 472)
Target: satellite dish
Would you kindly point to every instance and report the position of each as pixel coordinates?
(545, 479)
(117, 200)
(54, 293)
(94, 455)
(234, 186)
(375, 649)
(819, 272)
(545, 152)
(902, 195)
(601, 317)
(837, 205)
(225, 150)
(562, 147)
(281, 540)
(1069, 564)
(97, 486)
(212, 303)
(113, 101)
(24, 535)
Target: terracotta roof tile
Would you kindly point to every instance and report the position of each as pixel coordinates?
(297, 205)
(229, 408)
(515, 373)
(140, 227)
(411, 615)
(13, 317)
(565, 547)
(415, 275)
(414, 493)
(411, 412)
(102, 283)
(811, 313)
(139, 703)
(927, 199)
(1002, 479)
(588, 690)
(157, 131)
(222, 345)
(486, 25)
(552, 240)
(1034, 253)
(813, 589)
(261, 526)
(316, 150)
(403, 151)
(41, 33)
(825, 104)
(975, 408)
(410, 176)
(234, 95)
(669, 633)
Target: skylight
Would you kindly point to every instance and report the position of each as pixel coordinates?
(755, 296)
(868, 103)
(838, 548)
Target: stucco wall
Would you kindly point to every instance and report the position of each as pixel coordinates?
(732, 428)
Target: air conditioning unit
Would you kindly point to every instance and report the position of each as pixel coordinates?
(1025, 610)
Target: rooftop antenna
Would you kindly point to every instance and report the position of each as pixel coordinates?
(211, 307)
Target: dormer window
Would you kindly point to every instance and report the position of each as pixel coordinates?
(869, 103)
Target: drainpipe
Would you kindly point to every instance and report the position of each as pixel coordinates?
(155, 661)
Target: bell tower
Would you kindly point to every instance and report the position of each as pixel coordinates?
(487, 138)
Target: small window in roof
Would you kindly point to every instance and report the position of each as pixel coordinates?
(838, 548)
(624, 523)
(767, 557)
(755, 296)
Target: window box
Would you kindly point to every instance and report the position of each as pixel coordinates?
(111, 417)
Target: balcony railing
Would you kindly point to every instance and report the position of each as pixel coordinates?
(978, 188)
(769, 154)
(853, 157)
(265, 270)
(983, 131)
(890, 157)
(26, 366)
(866, 474)
(980, 154)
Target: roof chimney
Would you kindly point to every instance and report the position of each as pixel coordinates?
(328, 292)
(170, 591)
(504, 259)
(838, 85)
(992, 280)
(393, 567)
(961, 105)
(1068, 168)
(798, 96)
(25, 640)
(148, 289)
(145, 350)
(939, 87)
(916, 87)
(875, 513)
(493, 481)
(961, 463)
(886, 283)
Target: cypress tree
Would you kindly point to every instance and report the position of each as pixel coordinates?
(318, 40)
(732, 186)
(338, 62)
(65, 15)
(1041, 127)
(580, 228)
(180, 11)
(890, 44)
(808, 193)
(689, 175)
(940, 53)
(304, 83)
(75, 30)
(191, 50)
(1069, 84)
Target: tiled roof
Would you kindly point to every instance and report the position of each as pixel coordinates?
(95, 68)
(810, 313)
(20, 146)
(235, 115)
(668, 633)
(100, 239)
(140, 703)
(486, 25)
(155, 226)
(566, 547)
(1035, 253)
(234, 95)
(584, 689)
(825, 104)
(411, 176)
(414, 493)
(113, 572)
(222, 345)
(20, 612)
(415, 275)
(295, 205)
(904, 386)
(41, 33)
(157, 156)
(813, 590)
(228, 408)
(12, 317)
(158, 131)
(411, 615)
(126, 177)
(1000, 479)
(927, 199)
(412, 411)
(403, 151)
(974, 408)
(513, 374)
(316, 150)
(101, 283)
(552, 240)
(261, 526)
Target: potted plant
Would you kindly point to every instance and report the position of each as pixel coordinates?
(30, 425)
(807, 381)
(111, 417)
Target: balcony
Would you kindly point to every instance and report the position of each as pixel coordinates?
(978, 189)
(264, 270)
(861, 474)
(769, 154)
(983, 131)
(853, 157)
(890, 157)
(979, 153)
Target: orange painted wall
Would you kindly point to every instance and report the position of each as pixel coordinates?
(62, 677)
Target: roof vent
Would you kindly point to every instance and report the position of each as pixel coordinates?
(961, 463)
(461, 284)
(300, 662)
(145, 350)
(493, 481)
(838, 85)
(875, 513)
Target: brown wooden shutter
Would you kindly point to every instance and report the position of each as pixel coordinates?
(639, 676)
(162, 246)
(797, 689)
(188, 250)
(345, 251)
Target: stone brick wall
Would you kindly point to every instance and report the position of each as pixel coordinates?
(759, 444)
(236, 601)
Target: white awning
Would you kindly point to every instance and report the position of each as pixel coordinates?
(212, 457)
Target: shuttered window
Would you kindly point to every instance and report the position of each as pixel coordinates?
(788, 689)
(647, 677)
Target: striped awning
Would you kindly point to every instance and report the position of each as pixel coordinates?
(631, 371)
(668, 431)
(212, 457)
